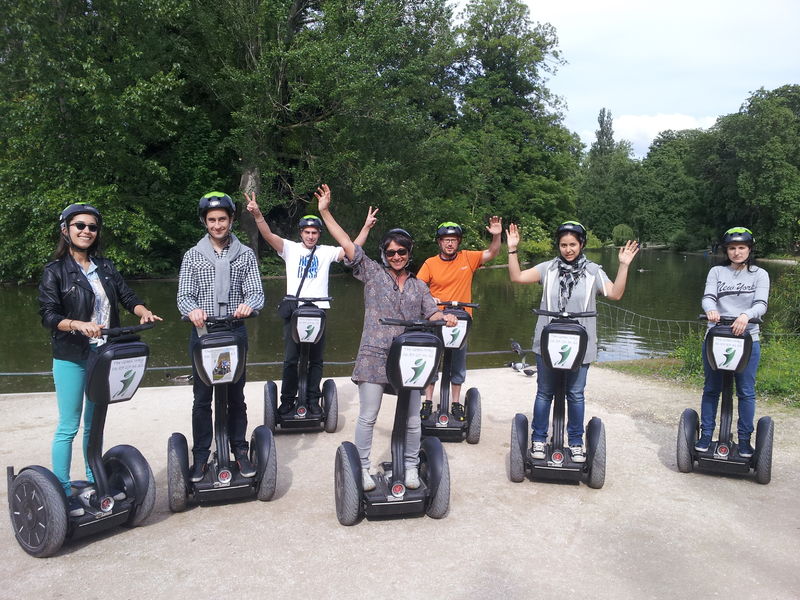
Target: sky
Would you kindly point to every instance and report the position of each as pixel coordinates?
(674, 64)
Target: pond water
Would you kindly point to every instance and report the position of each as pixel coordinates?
(662, 287)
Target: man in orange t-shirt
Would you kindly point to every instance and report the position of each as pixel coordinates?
(449, 277)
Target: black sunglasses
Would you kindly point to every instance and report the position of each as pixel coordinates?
(400, 251)
(80, 225)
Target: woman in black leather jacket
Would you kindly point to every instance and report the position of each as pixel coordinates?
(79, 295)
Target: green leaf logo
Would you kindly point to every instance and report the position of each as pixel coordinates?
(418, 368)
(565, 350)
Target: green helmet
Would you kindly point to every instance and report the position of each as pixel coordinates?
(310, 221)
(573, 227)
(214, 200)
(449, 228)
(738, 234)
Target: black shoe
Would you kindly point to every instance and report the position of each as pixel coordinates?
(745, 449)
(457, 409)
(427, 409)
(703, 443)
(286, 407)
(74, 507)
(246, 468)
(198, 471)
(314, 408)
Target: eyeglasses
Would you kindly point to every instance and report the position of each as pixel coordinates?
(80, 225)
(399, 251)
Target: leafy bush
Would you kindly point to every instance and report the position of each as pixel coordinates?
(622, 233)
(784, 309)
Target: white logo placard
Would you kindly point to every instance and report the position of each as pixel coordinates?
(416, 365)
(220, 363)
(308, 329)
(124, 377)
(727, 352)
(563, 349)
(454, 336)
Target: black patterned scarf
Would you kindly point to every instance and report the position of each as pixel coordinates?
(568, 276)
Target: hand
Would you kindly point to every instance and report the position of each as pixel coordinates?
(87, 328)
(371, 219)
(495, 226)
(148, 317)
(512, 237)
(252, 206)
(628, 252)
(740, 324)
(197, 317)
(450, 319)
(242, 311)
(712, 316)
(323, 196)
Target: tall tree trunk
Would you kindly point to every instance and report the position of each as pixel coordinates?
(251, 182)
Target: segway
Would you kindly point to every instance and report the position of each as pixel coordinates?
(410, 367)
(441, 423)
(307, 325)
(564, 342)
(219, 359)
(123, 492)
(730, 354)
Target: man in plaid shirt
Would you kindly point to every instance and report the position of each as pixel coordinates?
(218, 277)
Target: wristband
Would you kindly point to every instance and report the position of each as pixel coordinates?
(512, 251)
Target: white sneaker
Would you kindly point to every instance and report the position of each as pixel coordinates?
(537, 450)
(412, 478)
(367, 482)
(577, 454)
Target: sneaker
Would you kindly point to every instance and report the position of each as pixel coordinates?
(577, 453)
(427, 409)
(457, 409)
(74, 507)
(745, 449)
(246, 468)
(412, 478)
(537, 450)
(367, 482)
(286, 407)
(314, 408)
(703, 444)
(198, 471)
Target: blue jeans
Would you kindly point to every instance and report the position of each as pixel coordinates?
(202, 424)
(70, 378)
(745, 390)
(291, 356)
(547, 380)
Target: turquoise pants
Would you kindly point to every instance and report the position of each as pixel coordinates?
(70, 378)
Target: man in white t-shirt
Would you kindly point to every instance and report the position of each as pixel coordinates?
(296, 255)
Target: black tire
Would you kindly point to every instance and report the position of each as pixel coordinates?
(516, 466)
(270, 405)
(596, 441)
(439, 503)
(38, 510)
(330, 399)
(347, 487)
(473, 406)
(177, 472)
(765, 434)
(688, 429)
(128, 470)
(265, 459)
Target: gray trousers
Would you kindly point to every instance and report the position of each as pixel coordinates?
(370, 395)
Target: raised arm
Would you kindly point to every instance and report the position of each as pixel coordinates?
(615, 291)
(323, 196)
(514, 272)
(495, 227)
(369, 223)
(271, 238)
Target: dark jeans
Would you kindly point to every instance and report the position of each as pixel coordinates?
(291, 356)
(202, 424)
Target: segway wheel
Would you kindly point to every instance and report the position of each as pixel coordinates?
(270, 405)
(330, 399)
(177, 472)
(765, 432)
(473, 406)
(596, 442)
(263, 455)
(38, 512)
(439, 502)
(347, 486)
(687, 436)
(127, 470)
(519, 442)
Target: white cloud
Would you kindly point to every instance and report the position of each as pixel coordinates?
(641, 129)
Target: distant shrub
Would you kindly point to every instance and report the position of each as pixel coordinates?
(621, 234)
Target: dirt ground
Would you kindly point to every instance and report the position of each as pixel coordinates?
(650, 532)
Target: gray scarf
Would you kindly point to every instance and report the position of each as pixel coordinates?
(222, 266)
(568, 276)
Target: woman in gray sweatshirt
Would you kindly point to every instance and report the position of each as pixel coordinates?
(737, 289)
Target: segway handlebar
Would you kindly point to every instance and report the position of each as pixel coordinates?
(303, 300)
(727, 319)
(210, 319)
(413, 323)
(127, 330)
(564, 314)
(457, 304)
